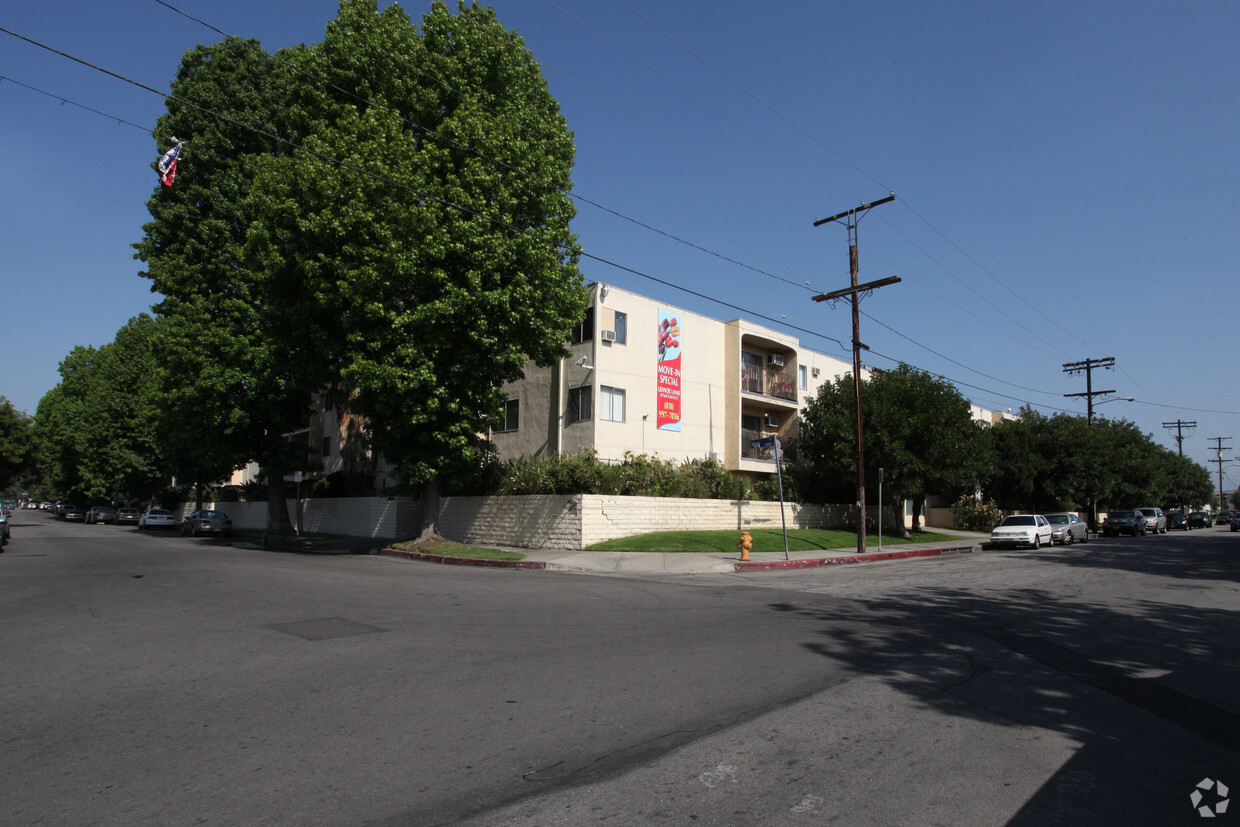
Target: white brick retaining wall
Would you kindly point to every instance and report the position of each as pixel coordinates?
(539, 521)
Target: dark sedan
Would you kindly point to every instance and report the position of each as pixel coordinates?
(127, 516)
(1177, 520)
(207, 522)
(1198, 519)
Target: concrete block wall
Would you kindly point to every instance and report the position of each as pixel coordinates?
(538, 521)
(356, 516)
(535, 521)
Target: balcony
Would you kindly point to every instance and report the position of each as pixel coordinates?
(780, 385)
(748, 453)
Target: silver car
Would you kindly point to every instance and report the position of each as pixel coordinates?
(1155, 520)
(1067, 528)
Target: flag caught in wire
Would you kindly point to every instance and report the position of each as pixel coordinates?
(168, 164)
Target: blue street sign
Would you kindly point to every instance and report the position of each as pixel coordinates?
(765, 442)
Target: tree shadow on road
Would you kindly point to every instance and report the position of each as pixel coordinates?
(1032, 658)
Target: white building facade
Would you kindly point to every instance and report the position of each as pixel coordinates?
(647, 377)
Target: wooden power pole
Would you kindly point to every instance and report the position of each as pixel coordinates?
(854, 293)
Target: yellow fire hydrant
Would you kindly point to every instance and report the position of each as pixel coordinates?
(745, 545)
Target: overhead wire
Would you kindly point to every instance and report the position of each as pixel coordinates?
(444, 202)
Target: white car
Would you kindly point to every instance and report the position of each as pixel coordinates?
(157, 518)
(1067, 529)
(1022, 530)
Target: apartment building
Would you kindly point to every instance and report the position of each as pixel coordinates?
(646, 376)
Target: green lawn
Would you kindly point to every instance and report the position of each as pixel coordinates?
(450, 549)
(764, 539)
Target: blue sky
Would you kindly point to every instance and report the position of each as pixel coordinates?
(1067, 178)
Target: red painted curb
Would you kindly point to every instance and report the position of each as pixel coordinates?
(463, 561)
(852, 558)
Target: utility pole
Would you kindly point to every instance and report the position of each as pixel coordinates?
(854, 292)
(1179, 425)
(1088, 367)
(1219, 447)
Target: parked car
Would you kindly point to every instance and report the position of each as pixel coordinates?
(101, 514)
(1067, 529)
(1022, 530)
(1235, 521)
(157, 518)
(1124, 522)
(1155, 520)
(4, 528)
(1198, 519)
(1223, 518)
(1177, 520)
(206, 522)
(74, 514)
(127, 516)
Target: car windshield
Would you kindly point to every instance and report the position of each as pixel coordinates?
(212, 515)
(1057, 519)
(1149, 512)
(156, 512)
(1022, 520)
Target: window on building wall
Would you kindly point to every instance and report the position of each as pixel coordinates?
(512, 415)
(579, 405)
(327, 447)
(584, 332)
(622, 328)
(611, 404)
(803, 371)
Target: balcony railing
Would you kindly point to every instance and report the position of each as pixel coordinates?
(755, 453)
(781, 385)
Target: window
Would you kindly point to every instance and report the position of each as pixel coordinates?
(622, 328)
(579, 405)
(804, 373)
(611, 404)
(327, 447)
(584, 332)
(512, 415)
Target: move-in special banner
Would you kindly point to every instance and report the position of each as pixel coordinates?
(668, 395)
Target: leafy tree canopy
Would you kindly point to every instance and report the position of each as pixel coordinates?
(917, 428)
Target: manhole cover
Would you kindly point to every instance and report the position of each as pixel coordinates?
(326, 628)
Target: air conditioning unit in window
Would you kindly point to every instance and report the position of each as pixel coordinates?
(772, 421)
(607, 335)
(816, 371)
(775, 360)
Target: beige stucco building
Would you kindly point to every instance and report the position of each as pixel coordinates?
(647, 377)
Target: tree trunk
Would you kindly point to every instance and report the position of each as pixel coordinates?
(430, 511)
(277, 506)
(919, 505)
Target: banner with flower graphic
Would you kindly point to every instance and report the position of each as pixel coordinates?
(667, 397)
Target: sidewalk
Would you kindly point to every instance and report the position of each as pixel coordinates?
(699, 562)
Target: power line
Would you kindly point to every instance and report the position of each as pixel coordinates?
(384, 179)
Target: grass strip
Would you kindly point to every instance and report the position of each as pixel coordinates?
(447, 548)
(764, 539)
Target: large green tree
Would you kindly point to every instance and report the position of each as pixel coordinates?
(17, 445)
(433, 249)
(237, 382)
(1062, 462)
(98, 428)
(917, 428)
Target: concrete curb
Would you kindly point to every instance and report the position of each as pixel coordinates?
(529, 565)
(852, 558)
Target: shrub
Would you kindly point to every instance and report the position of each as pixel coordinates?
(976, 515)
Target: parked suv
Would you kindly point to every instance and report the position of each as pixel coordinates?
(1124, 522)
(1155, 520)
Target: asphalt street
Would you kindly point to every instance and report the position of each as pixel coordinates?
(153, 679)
